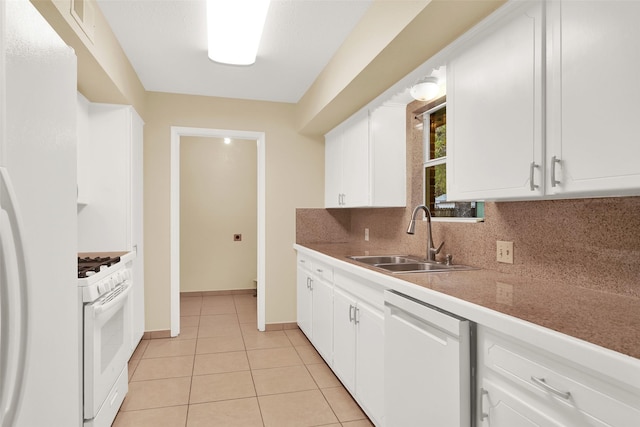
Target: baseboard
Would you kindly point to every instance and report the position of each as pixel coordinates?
(280, 326)
(217, 293)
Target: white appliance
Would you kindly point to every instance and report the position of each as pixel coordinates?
(427, 365)
(39, 319)
(105, 294)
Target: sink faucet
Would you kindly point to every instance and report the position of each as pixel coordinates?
(431, 250)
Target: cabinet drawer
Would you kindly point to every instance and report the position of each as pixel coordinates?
(322, 271)
(579, 394)
(369, 292)
(305, 262)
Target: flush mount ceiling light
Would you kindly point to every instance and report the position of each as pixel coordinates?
(234, 30)
(425, 89)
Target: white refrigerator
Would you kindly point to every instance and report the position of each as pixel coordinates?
(39, 310)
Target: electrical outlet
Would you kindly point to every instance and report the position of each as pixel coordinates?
(504, 252)
(366, 234)
(504, 293)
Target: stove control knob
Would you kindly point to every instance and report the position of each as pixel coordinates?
(103, 287)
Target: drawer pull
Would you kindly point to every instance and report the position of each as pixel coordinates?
(540, 382)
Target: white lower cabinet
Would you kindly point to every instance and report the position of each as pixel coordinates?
(315, 304)
(523, 385)
(503, 407)
(304, 296)
(322, 317)
(358, 356)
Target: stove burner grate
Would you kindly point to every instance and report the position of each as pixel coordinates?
(89, 266)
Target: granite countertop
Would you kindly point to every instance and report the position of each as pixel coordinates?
(609, 320)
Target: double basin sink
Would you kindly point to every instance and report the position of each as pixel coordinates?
(407, 264)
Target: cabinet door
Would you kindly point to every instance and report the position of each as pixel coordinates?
(333, 169)
(388, 156)
(355, 162)
(370, 361)
(137, 236)
(322, 318)
(494, 109)
(344, 338)
(501, 407)
(593, 95)
(304, 307)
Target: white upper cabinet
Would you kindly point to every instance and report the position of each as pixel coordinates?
(546, 111)
(365, 160)
(593, 92)
(494, 109)
(112, 159)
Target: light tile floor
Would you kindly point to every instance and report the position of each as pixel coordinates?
(221, 371)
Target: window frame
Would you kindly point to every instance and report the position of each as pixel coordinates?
(428, 162)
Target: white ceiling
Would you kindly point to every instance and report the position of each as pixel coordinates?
(166, 42)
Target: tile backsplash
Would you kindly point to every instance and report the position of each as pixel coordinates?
(593, 243)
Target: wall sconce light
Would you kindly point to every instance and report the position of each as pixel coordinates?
(234, 30)
(425, 89)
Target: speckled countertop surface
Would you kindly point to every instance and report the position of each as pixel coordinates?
(609, 320)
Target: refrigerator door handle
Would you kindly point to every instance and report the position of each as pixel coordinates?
(15, 292)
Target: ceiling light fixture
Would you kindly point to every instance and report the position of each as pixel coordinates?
(425, 89)
(227, 141)
(234, 30)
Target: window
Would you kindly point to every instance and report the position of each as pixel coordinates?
(434, 120)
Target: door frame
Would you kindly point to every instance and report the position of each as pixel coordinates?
(176, 133)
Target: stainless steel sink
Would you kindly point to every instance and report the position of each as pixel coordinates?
(405, 264)
(386, 259)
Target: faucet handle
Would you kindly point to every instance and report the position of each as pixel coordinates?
(437, 251)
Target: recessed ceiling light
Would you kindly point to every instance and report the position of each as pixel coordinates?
(227, 141)
(234, 29)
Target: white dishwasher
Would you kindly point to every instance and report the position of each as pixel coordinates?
(428, 365)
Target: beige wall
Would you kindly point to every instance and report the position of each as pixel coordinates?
(218, 198)
(294, 178)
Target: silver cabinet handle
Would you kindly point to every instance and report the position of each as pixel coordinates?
(310, 284)
(319, 270)
(351, 311)
(483, 415)
(532, 185)
(554, 160)
(356, 315)
(540, 382)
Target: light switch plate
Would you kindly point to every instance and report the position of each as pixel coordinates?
(504, 252)
(366, 234)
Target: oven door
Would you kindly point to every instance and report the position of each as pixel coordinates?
(107, 341)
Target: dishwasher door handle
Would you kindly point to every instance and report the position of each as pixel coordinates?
(446, 321)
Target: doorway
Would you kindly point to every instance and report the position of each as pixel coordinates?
(176, 134)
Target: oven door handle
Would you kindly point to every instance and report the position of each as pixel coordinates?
(114, 303)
